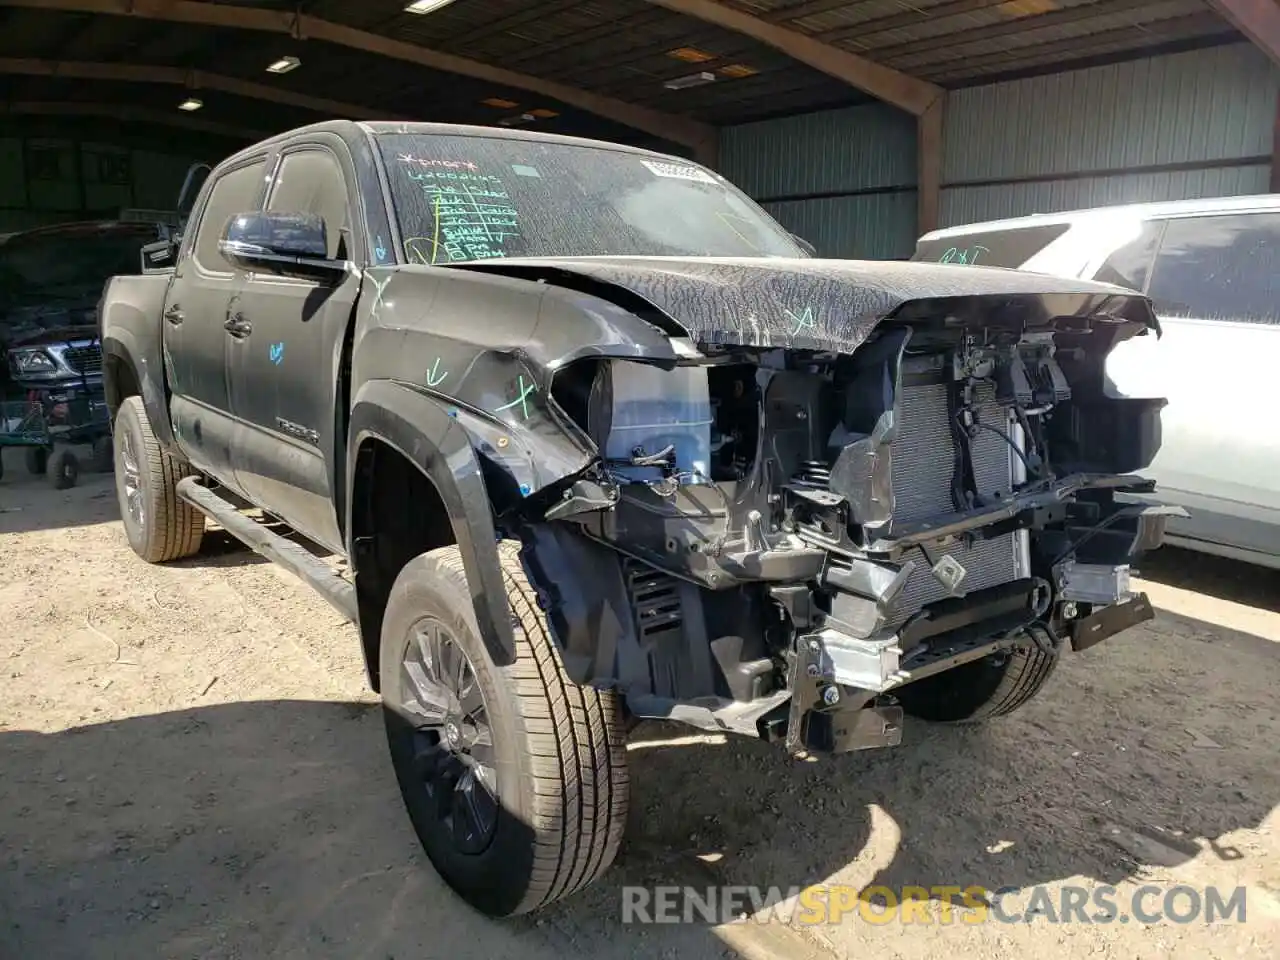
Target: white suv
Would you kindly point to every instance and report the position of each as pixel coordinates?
(1212, 270)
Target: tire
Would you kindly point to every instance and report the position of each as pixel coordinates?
(991, 687)
(63, 469)
(163, 527)
(37, 460)
(558, 749)
(104, 455)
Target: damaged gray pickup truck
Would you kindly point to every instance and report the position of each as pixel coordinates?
(599, 441)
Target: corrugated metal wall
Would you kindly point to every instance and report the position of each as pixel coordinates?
(1185, 125)
(843, 179)
(47, 180)
(1193, 124)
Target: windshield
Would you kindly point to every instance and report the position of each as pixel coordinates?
(63, 266)
(473, 198)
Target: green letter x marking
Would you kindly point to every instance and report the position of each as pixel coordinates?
(522, 399)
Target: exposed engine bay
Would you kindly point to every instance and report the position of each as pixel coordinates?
(787, 540)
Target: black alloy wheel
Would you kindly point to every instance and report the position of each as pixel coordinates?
(452, 739)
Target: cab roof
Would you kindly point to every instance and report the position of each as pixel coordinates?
(353, 131)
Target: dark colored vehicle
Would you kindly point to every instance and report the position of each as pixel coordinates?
(51, 279)
(600, 442)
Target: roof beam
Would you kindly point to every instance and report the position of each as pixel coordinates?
(884, 83)
(1259, 20)
(929, 168)
(869, 28)
(1019, 27)
(1275, 151)
(1196, 25)
(129, 114)
(190, 79)
(532, 12)
(802, 10)
(676, 129)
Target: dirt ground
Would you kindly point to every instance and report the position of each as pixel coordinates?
(191, 766)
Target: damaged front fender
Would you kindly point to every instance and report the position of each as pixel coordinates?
(486, 349)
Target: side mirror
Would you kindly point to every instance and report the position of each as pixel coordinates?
(159, 255)
(808, 247)
(286, 244)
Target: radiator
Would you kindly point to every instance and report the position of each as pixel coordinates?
(923, 458)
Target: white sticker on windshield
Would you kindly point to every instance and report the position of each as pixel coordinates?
(524, 171)
(678, 171)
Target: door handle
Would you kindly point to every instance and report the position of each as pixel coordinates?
(238, 326)
(174, 315)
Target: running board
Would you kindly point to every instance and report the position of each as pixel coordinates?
(296, 559)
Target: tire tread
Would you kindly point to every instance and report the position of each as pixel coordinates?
(1028, 670)
(573, 743)
(175, 528)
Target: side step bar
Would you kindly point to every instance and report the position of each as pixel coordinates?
(296, 559)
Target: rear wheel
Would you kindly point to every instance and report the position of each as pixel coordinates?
(514, 778)
(160, 526)
(986, 688)
(63, 469)
(37, 460)
(104, 455)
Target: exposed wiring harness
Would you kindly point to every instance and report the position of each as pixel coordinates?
(1122, 513)
(1026, 462)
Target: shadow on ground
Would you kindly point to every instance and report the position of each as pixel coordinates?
(29, 503)
(1232, 580)
(273, 828)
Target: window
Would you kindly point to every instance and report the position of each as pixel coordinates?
(1224, 267)
(236, 191)
(994, 248)
(1129, 265)
(310, 181)
(49, 162)
(107, 167)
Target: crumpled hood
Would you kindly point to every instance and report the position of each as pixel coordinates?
(47, 323)
(65, 334)
(821, 304)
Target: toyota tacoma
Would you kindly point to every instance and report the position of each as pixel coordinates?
(599, 441)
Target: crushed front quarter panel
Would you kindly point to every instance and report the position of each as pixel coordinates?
(486, 348)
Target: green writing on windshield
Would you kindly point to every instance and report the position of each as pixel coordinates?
(966, 255)
(473, 219)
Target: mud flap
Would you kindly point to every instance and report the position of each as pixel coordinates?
(1111, 620)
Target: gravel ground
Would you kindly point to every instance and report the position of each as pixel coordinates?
(191, 766)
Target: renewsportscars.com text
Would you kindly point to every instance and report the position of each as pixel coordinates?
(1103, 904)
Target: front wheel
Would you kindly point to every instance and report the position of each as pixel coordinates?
(514, 777)
(159, 524)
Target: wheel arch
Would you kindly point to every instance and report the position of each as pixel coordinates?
(130, 370)
(406, 444)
